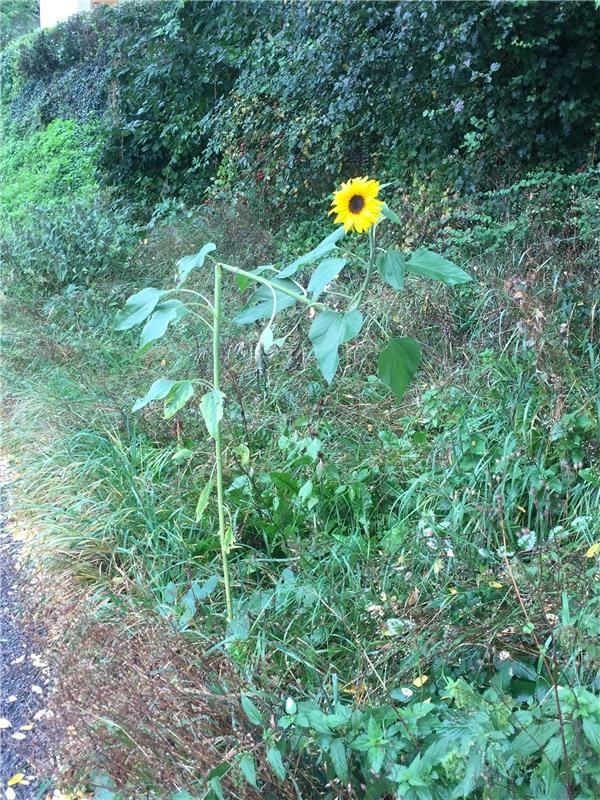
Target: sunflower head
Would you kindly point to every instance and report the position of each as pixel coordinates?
(356, 204)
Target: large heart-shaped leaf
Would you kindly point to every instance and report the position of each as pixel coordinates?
(158, 391)
(391, 267)
(431, 265)
(328, 331)
(260, 305)
(211, 406)
(181, 392)
(398, 362)
(138, 308)
(166, 312)
(186, 264)
(327, 271)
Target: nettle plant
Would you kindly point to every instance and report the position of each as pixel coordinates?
(357, 207)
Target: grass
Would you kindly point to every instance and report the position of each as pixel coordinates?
(375, 544)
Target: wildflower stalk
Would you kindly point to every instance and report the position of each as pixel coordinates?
(216, 342)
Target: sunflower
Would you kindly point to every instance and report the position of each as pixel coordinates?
(356, 204)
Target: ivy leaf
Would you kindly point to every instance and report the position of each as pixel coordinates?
(211, 406)
(339, 759)
(431, 265)
(391, 215)
(274, 759)
(398, 362)
(326, 246)
(138, 308)
(251, 711)
(391, 266)
(166, 312)
(248, 768)
(186, 264)
(328, 331)
(326, 272)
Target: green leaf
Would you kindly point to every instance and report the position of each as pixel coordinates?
(207, 588)
(203, 501)
(391, 215)
(251, 711)
(166, 312)
(186, 264)
(326, 246)
(228, 540)
(158, 391)
(326, 272)
(248, 768)
(274, 759)
(431, 265)
(211, 406)
(398, 362)
(180, 393)
(217, 789)
(328, 331)
(590, 475)
(137, 308)
(339, 759)
(591, 730)
(391, 266)
(260, 305)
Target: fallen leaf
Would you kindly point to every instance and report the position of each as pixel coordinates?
(36, 689)
(18, 736)
(496, 585)
(593, 551)
(412, 597)
(18, 660)
(27, 727)
(420, 681)
(4, 723)
(10, 794)
(17, 778)
(453, 590)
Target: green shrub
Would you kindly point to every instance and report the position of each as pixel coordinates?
(355, 87)
(51, 168)
(87, 240)
(17, 17)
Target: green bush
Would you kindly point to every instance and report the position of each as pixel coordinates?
(17, 17)
(80, 243)
(462, 89)
(51, 168)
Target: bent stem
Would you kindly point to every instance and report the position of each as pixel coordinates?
(216, 341)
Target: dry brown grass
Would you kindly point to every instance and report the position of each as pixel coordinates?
(141, 703)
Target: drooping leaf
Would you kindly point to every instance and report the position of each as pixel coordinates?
(203, 500)
(207, 588)
(179, 395)
(186, 264)
(138, 308)
(339, 759)
(389, 214)
(158, 391)
(391, 266)
(326, 272)
(211, 406)
(276, 762)
(243, 281)
(166, 312)
(260, 305)
(217, 789)
(251, 711)
(248, 768)
(398, 362)
(328, 331)
(431, 265)
(326, 246)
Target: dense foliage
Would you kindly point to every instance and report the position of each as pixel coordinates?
(416, 581)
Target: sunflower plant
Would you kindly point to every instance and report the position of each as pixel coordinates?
(357, 207)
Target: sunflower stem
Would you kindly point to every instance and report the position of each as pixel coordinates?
(371, 266)
(300, 298)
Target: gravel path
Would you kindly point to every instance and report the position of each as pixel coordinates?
(23, 682)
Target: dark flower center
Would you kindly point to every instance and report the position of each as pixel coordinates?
(357, 203)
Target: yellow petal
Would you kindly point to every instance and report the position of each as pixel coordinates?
(17, 778)
(420, 681)
(496, 585)
(593, 551)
